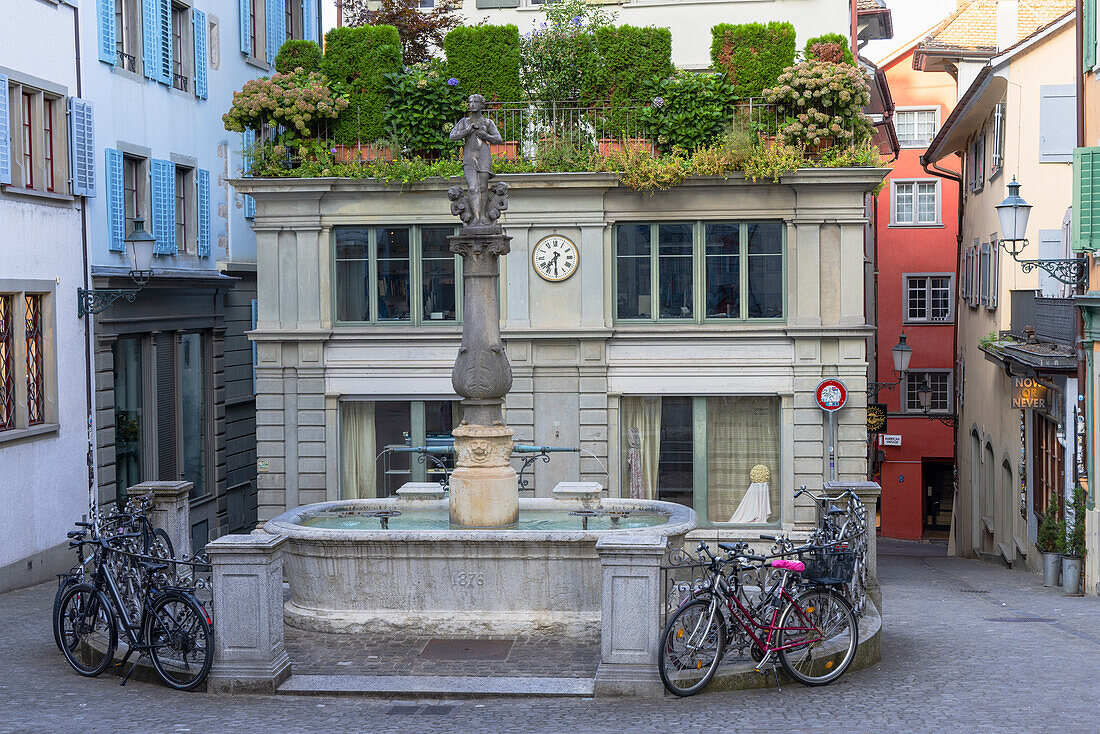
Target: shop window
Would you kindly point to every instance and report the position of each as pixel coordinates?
(194, 414)
(916, 128)
(396, 275)
(940, 384)
(741, 263)
(129, 412)
(1048, 466)
(928, 298)
(705, 452)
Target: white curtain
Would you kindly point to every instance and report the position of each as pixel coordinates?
(643, 414)
(357, 450)
(741, 433)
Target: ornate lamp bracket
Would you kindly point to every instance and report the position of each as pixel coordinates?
(98, 301)
(1073, 271)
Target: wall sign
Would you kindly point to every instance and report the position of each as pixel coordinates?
(891, 439)
(831, 395)
(1028, 394)
(876, 417)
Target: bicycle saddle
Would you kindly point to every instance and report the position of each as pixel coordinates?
(152, 566)
(834, 510)
(796, 566)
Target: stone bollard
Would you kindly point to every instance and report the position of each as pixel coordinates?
(249, 655)
(868, 492)
(171, 511)
(630, 615)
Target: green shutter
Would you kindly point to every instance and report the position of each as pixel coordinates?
(1086, 199)
(1088, 20)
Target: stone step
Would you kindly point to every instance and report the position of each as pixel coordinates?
(436, 686)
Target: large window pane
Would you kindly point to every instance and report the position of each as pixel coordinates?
(128, 413)
(393, 274)
(743, 432)
(352, 274)
(658, 454)
(193, 413)
(723, 271)
(438, 268)
(392, 421)
(675, 469)
(674, 274)
(634, 300)
(765, 286)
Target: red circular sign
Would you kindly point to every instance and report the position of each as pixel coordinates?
(831, 395)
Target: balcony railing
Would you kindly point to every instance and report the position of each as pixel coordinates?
(127, 62)
(179, 81)
(1054, 319)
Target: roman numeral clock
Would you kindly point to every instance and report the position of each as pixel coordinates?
(555, 258)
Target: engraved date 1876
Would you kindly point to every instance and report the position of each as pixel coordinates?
(470, 579)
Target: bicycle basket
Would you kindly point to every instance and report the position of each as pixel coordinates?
(830, 566)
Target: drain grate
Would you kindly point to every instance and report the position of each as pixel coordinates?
(974, 591)
(465, 649)
(403, 709)
(1032, 620)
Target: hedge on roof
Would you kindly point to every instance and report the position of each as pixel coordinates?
(831, 38)
(296, 53)
(357, 61)
(752, 55)
(485, 60)
(627, 58)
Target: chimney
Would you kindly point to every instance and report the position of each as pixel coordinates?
(1008, 15)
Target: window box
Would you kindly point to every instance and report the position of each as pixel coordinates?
(610, 146)
(368, 152)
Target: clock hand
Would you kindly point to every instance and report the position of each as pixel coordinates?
(554, 262)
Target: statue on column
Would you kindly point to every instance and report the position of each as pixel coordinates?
(480, 205)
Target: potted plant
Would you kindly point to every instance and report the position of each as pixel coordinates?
(1049, 541)
(1074, 550)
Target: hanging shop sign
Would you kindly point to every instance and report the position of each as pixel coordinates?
(831, 395)
(1028, 394)
(876, 417)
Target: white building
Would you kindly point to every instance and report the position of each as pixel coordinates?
(44, 179)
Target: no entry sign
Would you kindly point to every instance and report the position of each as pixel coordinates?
(831, 395)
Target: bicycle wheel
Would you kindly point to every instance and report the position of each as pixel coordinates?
(86, 628)
(691, 647)
(181, 640)
(819, 655)
(61, 589)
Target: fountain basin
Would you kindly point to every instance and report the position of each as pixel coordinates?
(532, 579)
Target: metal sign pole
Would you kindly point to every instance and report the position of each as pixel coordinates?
(832, 445)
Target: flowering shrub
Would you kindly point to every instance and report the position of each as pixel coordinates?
(558, 57)
(424, 104)
(821, 104)
(299, 102)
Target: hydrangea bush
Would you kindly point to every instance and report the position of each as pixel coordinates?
(821, 104)
(424, 104)
(299, 103)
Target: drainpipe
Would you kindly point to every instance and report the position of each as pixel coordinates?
(1082, 441)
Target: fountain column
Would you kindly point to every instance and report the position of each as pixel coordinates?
(484, 489)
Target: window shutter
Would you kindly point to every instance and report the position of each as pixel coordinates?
(1086, 199)
(246, 169)
(246, 36)
(164, 11)
(994, 272)
(309, 21)
(163, 176)
(116, 217)
(108, 51)
(5, 133)
(1088, 20)
(198, 22)
(1057, 123)
(202, 179)
(81, 148)
(165, 346)
(150, 39)
(275, 20)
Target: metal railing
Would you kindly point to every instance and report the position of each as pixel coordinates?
(127, 62)
(179, 81)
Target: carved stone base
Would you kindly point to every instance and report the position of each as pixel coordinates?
(484, 488)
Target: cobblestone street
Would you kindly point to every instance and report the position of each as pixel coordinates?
(968, 646)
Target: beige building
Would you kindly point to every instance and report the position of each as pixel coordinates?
(686, 343)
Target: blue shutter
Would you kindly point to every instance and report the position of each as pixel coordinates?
(309, 20)
(163, 176)
(164, 12)
(198, 20)
(203, 211)
(246, 35)
(150, 39)
(81, 148)
(108, 50)
(246, 169)
(276, 22)
(5, 133)
(116, 217)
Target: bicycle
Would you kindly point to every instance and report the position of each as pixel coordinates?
(171, 626)
(813, 632)
(851, 532)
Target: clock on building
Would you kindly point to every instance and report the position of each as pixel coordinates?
(555, 257)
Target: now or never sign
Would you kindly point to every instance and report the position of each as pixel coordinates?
(1028, 394)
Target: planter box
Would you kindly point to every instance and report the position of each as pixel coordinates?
(509, 150)
(369, 152)
(609, 146)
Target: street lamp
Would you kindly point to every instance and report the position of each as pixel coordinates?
(901, 353)
(924, 398)
(1013, 213)
(139, 249)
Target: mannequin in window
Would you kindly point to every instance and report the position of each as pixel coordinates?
(755, 506)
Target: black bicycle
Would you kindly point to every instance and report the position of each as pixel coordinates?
(170, 626)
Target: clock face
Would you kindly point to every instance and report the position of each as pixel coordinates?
(555, 258)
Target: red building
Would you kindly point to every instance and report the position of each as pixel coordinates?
(916, 219)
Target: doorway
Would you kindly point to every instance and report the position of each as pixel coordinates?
(938, 496)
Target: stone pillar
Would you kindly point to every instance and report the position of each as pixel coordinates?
(868, 492)
(171, 511)
(630, 614)
(249, 655)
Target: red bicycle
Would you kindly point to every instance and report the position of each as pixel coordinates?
(795, 616)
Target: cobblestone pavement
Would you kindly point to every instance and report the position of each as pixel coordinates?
(967, 646)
